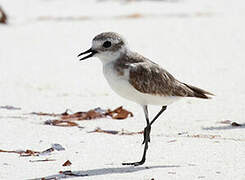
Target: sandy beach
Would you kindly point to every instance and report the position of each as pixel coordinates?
(200, 42)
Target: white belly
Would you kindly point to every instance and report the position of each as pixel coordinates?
(121, 85)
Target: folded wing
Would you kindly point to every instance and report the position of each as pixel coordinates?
(150, 78)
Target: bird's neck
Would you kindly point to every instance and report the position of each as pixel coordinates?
(112, 57)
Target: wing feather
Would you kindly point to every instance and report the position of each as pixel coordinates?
(150, 78)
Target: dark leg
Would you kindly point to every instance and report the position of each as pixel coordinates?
(158, 114)
(147, 129)
(147, 132)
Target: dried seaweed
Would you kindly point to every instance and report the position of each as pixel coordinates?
(29, 152)
(67, 163)
(3, 16)
(60, 123)
(91, 114)
(114, 132)
(67, 120)
(42, 160)
(118, 113)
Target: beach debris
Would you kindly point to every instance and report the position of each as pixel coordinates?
(42, 160)
(91, 114)
(29, 152)
(118, 113)
(61, 123)
(3, 16)
(54, 147)
(67, 163)
(46, 152)
(58, 147)
(10, 107)
(208, 136)
(171, 141)
(66, 119)
(114, 132)
(70, 173)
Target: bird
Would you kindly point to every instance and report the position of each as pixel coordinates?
(138, 79)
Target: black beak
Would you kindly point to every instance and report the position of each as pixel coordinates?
(92, 52)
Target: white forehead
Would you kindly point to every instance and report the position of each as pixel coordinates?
(99, 43)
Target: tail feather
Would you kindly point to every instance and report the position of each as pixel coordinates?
(199, 93)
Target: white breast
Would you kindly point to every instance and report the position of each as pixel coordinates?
(120, 84)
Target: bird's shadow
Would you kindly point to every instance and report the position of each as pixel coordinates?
(228, 127)
(102, 171)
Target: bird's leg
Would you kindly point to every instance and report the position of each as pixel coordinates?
(147, 131)
(158, 114)
(146, 139)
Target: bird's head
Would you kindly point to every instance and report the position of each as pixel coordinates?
(106, 46)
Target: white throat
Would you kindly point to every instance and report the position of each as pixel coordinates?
(110, 56)
(107, 57)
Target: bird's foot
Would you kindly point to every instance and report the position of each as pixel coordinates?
(147, 132)
(134, 163)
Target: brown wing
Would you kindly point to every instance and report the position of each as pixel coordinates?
(150, 78)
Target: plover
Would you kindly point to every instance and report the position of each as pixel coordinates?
(138, 79)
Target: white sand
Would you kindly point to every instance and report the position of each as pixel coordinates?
(200, 42)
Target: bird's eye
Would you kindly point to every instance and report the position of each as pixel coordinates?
(107, 44)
